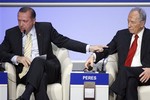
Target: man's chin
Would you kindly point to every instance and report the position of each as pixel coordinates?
(21, 30)
(131, 31)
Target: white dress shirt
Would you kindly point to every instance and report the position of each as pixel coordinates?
(34, 49)
(137, 56)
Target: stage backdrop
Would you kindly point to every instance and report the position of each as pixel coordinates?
(93, 25)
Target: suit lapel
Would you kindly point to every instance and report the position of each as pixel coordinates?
(145, 43)
(127, 44)
(39, 38)
(18, 40)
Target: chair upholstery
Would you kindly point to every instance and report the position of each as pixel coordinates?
(112, 69)
(56, 91)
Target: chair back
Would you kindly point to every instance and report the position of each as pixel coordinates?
(61, 54)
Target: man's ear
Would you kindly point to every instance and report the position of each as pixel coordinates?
(34, 20)
(142, 24)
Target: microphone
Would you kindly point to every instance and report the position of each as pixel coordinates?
(109, 51)
(89, 69)
(24, 31)
(103, 62)
(102, 67)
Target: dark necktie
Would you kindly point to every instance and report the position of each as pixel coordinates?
(131, 52)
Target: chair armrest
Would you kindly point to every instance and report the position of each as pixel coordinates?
(66, 70)
(62, 54)
(10, 68)
(112, 67)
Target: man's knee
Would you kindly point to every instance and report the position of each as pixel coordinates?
(38, 59)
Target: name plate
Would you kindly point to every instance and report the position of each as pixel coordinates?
(78, 78)
(3, 78)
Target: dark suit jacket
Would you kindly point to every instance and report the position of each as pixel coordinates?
(12, 44)
(121, 43)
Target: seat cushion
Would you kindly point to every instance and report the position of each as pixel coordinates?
(144, 92)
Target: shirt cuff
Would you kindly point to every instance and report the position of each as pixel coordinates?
(87, 48)
(14, 60)
(94, 56)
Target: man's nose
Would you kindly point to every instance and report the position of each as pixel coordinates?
(21, 24)
(129, 24)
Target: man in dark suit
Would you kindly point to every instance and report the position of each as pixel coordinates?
(41, 71)
(138, 72)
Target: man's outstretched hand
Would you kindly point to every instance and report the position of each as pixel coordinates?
(97, 48)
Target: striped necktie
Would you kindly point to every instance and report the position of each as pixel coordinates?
(27, 53)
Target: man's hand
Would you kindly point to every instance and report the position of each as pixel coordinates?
(145, 75)
(24, 60)
(89, 62)
(97, 48)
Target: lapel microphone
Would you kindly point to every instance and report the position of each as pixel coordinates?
(24, 31)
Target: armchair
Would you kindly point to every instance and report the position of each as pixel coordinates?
(53, 89)
(112, 69)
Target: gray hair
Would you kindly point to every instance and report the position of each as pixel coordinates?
(141, 12)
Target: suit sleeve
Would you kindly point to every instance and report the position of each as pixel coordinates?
(5, 50)
(112, 49)
(65, 42)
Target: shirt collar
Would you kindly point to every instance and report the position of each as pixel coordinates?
(140, 34)
(32, 31)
